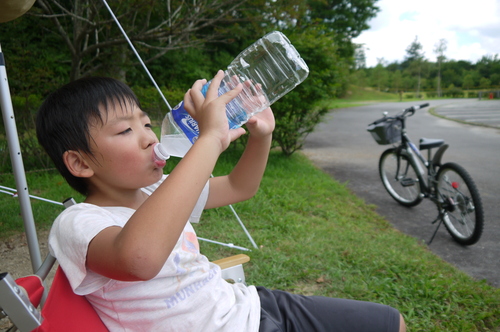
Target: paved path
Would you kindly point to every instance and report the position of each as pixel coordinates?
(484, 112)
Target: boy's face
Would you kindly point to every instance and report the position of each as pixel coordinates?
(123, 150)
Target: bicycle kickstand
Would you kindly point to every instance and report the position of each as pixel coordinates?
(440, 218)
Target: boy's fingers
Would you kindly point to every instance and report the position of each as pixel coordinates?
(231, 94)
(213, 89)
(188, 102)
(194, 100)
(195, 93)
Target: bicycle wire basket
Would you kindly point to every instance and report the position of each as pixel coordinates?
(385, 131)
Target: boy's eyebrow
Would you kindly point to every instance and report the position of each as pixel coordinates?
(128, 116)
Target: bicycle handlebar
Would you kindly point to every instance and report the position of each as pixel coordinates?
(412, 109)
(407, 112)
(417, 107)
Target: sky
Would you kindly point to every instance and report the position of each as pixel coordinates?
(471, 29)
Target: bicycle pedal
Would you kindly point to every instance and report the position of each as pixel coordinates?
(407, 182)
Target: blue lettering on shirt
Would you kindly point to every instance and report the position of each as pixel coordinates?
(188, 291)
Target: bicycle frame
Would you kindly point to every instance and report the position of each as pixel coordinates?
(431, 164)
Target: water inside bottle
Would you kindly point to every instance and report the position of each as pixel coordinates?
(176, 145)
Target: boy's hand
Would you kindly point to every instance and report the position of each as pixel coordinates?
(210, 111)
(261, 124)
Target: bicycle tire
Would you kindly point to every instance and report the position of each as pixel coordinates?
(459, 196)
(404, 187)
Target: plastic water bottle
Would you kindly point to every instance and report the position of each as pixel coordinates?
(268, 69)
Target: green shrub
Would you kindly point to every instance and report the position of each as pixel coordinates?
(152, 102)
(472, 94)
(299, 111)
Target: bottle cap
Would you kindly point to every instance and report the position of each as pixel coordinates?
(160, 152)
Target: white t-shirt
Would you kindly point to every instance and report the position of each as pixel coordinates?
(187, 295)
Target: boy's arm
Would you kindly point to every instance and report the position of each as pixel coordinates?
(244, 180)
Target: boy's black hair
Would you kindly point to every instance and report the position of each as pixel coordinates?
(65, 117)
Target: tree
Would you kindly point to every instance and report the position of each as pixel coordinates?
(468, 82)
(484, 83)
(413, 52)
(414, 60)
(439, 49)
(358, 78)
(280, 14)
(360, 57)
(488, 66)
(418, 73)
(34, 63)
(495, 79)
(397, 81)
(156, 27)
(347, 18)
(380, 75)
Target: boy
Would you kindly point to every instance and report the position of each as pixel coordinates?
(130, 247)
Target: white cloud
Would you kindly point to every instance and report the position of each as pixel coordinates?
(472, 30)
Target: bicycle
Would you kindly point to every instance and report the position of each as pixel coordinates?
(409, 177)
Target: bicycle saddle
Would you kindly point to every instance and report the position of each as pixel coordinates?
(429, 143)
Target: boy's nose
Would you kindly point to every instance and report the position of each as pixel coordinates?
(148, 138)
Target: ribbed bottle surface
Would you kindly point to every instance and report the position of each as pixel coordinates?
(267, 69)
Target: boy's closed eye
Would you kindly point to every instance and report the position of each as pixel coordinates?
(126, 131)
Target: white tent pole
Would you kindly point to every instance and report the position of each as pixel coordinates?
(165, 99)
(136, 54)
(18, 166)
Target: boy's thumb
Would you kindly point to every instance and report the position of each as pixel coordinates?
(236, 133)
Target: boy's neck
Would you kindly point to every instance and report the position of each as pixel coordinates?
(130, 199)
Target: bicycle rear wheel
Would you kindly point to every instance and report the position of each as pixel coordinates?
(460, 199)
(399, 177)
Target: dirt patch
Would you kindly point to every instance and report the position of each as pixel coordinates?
(15, 259)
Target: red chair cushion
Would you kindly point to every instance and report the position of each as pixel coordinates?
(65, 311)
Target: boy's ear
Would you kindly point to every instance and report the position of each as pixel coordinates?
(77, 164)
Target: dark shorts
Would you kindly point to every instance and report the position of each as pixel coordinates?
(282, 311)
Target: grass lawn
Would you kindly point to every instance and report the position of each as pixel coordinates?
(316, 237)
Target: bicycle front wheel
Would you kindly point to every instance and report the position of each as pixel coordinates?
(463, 209)
(399, 176)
